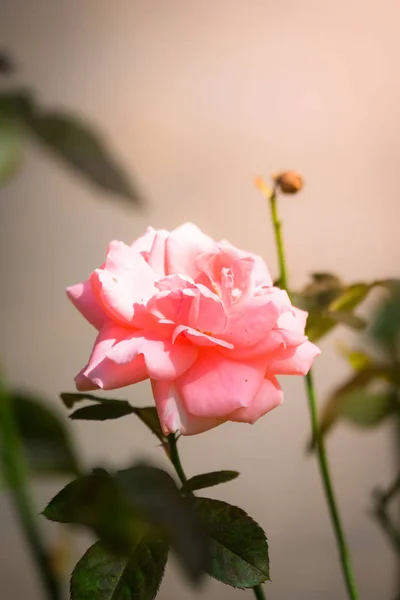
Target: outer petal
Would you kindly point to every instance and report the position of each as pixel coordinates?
(269, 396)
(293, 320)
(183, 245)
(294, 361)
(102, 372)
(125, 280)
(215, 386)
(151, 246)
(173, 415)
(83, 298)
(163, 359)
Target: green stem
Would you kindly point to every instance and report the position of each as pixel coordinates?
(344, 553)
(329, 493)
(175, 458)
(283, 280)
(16, 475)
(176, 461)
(259, 592)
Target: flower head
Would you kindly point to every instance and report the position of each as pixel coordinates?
(201, 319)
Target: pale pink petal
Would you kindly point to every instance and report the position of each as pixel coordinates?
(104, 373)
(194, 305)
(268, 397)
(251, 321)
(293, 320)
(297, 361)
(83, 298)
(199, 337)
(145, 242)
(124, 283)
(151, 246)
(173, 415)
(261, 273)
(156, 256)
(183, 245)
(163, 359)
(216, 386)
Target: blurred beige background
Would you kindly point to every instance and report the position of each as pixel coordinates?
(198, 97)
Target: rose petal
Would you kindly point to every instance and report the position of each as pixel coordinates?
(294, 361)
(125, 280)
(251, 321)
(216, 386)
(183, 245)
(199, 337)
(268, 397)
(163, 359)
(173, 415)
(104, 373)
(83, 298)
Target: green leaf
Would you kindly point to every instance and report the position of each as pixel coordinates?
(351, 297)
(386, 325)
(366, 409)
(347, 318)
(82, 149)
(10, 149)
(318, 325)
(239, 548)
(155, 494)
(101, 575)
(70, 398)
(207, 480)
(148, 415)
(15, 105)
(333, 407)
(357, 359)
(46, 440)
(119, 507)
(102, 412)
(96, 502)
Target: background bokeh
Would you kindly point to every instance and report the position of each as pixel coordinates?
(196, 98)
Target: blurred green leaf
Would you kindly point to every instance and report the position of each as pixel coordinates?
(7, 66)
(206, 480)
(45, 437)
(386, 326)
(15, 105)
(82, 149)
(338, 404)
(101, 575)
(10, 149)
(347, 318)
(318, 325)
(351, 297)
(366, 409)
(112, 409)
(239, 548)
(357, 359)
(322, 290)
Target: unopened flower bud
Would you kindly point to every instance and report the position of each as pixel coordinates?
(289, 182)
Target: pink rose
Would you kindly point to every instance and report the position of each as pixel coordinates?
(201, 319)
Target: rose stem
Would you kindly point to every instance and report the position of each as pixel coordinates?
(344, 553)
(176, 461)
(16, 475)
